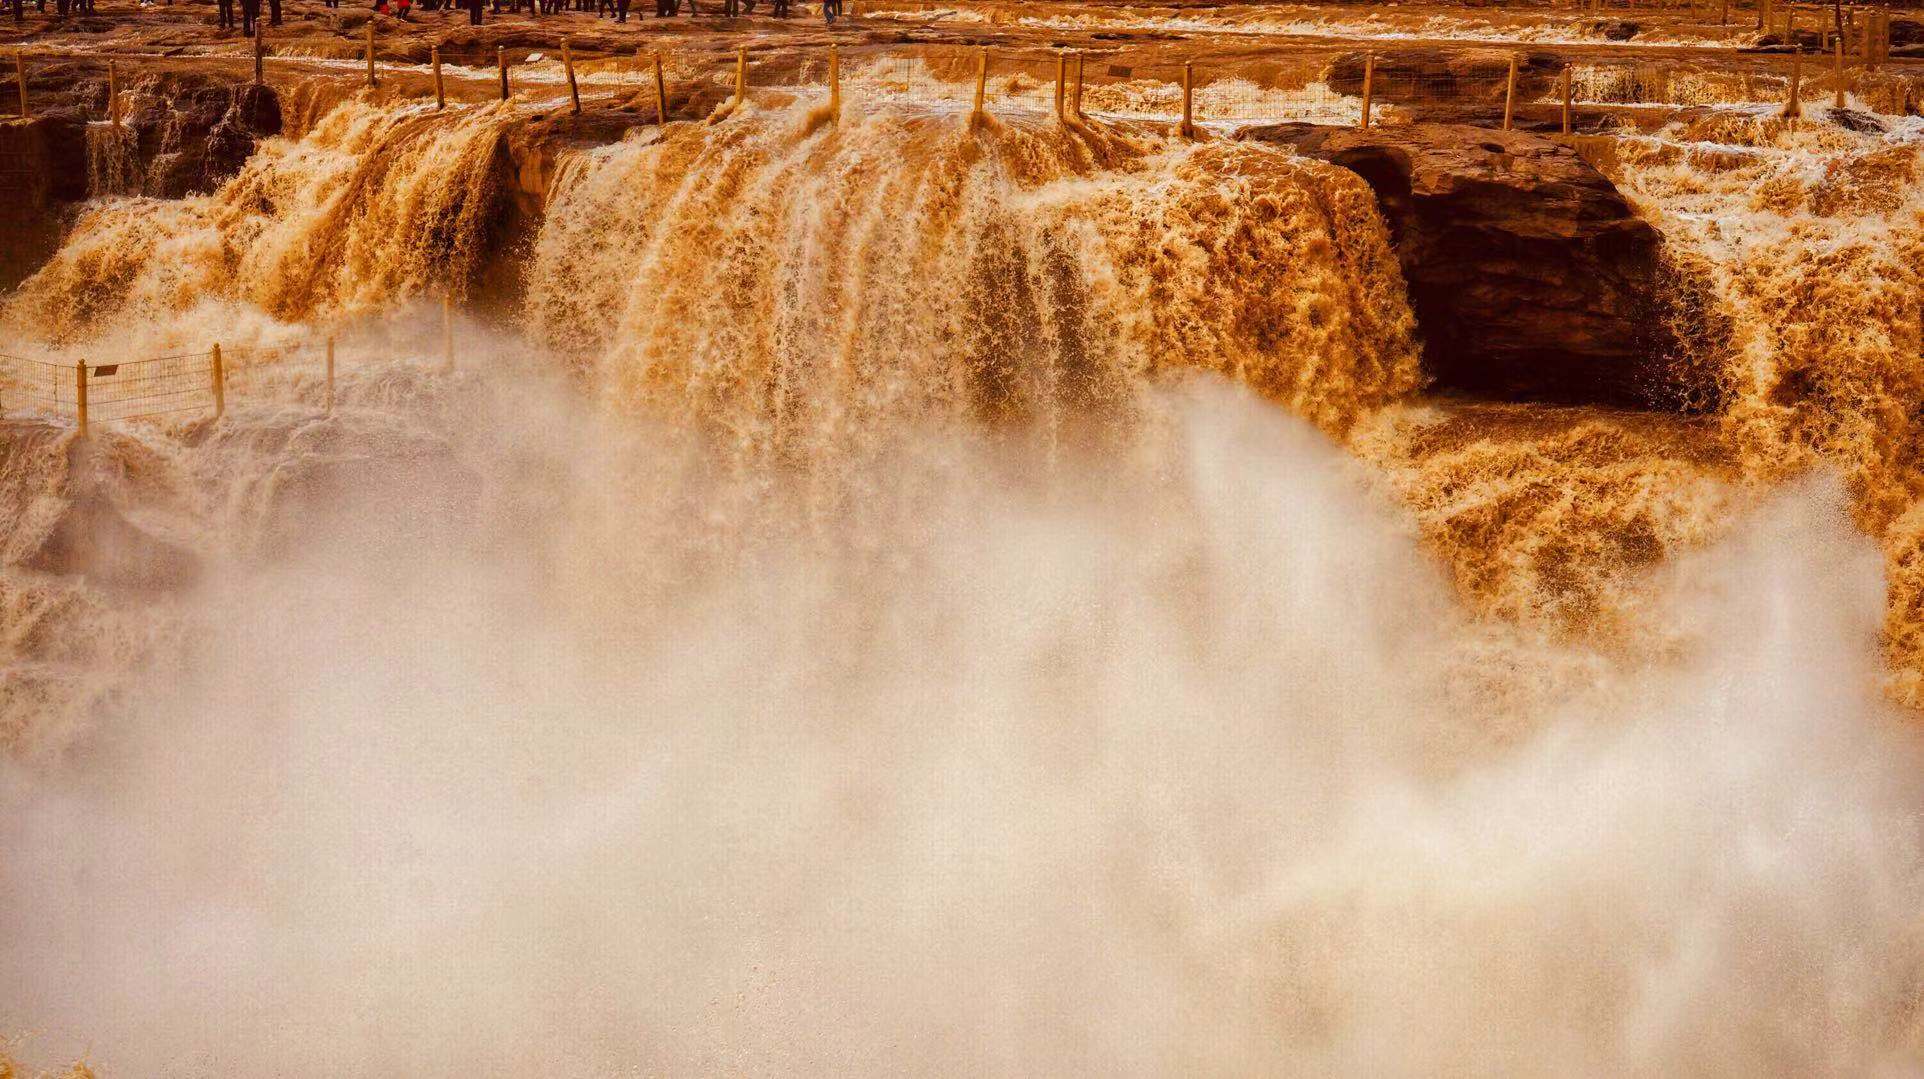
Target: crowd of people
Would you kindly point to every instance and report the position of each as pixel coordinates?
(618, 9)
(62, 7)
(250, 14)
(613, 9)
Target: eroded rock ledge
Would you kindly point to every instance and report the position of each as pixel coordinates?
(178, 136)
(1531, 276)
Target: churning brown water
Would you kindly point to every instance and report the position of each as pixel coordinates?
(893, 599)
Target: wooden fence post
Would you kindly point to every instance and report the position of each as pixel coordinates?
(218, 373)
(330, 372)
(1837, 69)
(1566, 99)
(113, 94)
(371, 80)
(1075, 100)
(834, 82)
(1794, 107)
(258, 47)
(1062, 82)
(1188, 129)
(981, 84)
(440, 90)
(1509, 95)
(568, 62)
(501, 62)
(741, 78)
(1369, 87)
(661, 92)
(80, 395)
(20, 79)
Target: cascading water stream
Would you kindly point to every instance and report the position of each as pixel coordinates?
(913, 599)
(375, 206)
(799, 291)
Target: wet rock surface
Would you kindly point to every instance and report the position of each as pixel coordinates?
(91, 538)
(43, 167)
(1800, 40)
(188, 138)
(178, 136)
(1616, 29)
(67, 522)
(1531, 276)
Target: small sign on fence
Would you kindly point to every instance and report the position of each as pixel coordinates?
(1117, 71)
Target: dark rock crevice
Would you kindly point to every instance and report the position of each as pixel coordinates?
(188, 136)
(1531, 277)
(43, 166)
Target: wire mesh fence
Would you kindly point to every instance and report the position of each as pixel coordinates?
(161, 386)
(28, 385)
(158, 386)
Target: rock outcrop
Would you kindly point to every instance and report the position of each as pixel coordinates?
(1801, 40)
(43, 166)
(187, 138)
(63, 521)
(1531, 276)
(1615, 29)
(179, 136)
